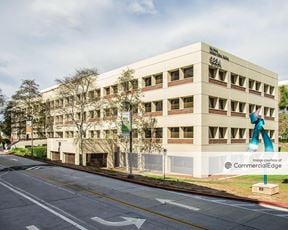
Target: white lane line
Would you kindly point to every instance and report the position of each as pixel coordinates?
(32, 227)
(245, 205)
(227, 204)
(44, 207)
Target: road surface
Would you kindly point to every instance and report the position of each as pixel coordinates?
(37, 196)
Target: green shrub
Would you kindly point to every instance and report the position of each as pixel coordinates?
(38, 151)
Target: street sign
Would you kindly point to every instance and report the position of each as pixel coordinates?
(126, 124)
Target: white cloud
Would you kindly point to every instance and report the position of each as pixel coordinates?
(142, 7)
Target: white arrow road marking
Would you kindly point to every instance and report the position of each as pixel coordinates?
(127, 221)
(32, 227)
(163, 201)
(13, 159)
(43, 206)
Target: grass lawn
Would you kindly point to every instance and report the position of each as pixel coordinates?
(240, 186)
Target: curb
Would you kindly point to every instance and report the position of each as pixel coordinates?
(243, 199)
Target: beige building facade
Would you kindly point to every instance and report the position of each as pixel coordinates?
(200, 95)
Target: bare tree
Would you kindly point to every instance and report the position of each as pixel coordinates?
(129, 97)
(79, 96)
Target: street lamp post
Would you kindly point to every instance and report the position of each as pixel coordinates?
(130, 175)
(30, 118)
(164, 163)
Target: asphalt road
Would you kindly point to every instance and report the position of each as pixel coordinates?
(35, 196)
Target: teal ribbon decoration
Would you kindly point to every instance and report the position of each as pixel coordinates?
(259, 128)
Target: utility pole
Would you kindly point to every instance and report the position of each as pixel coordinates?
(130, 175)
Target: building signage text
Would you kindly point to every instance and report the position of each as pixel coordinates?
(215, 61)
(215, 52)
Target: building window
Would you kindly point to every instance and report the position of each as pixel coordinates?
(188, 102)
(271, 90)
(107, 91)
(115, 89)
(158, 79)
(242, 133)
(251, 84)
(158, 106)
(241, 81)
(222, 75)
(251, 108)
(212, 132)
(188, 132)
(148, 107)
(91, 114)
(147, 133)
(234, 106)
(241, 107)
(188, 72)
(257, 86)
(234, 133)
(98, 93)
(212, 102)
(174, 104)
(174, 132)
(158, 133)
(212, 72)
(271, 113)
(222, 132)
(234, 79)
(147, 81)
(222, 104)
(174, 75)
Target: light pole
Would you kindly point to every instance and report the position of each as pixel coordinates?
(164, 163)
(30, 118)
(130, 175)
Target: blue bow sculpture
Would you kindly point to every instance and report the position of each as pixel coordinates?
(256, 119)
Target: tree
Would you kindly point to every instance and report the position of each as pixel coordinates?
(283, 126)
(27, 101)
(78, 96)
(7, 119)
(2, 100)
(283, 101)
(129, 98)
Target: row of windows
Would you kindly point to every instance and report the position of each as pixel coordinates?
(240, 82)
(173, 133)
(238, 106)
(237, 82)
(236, 133)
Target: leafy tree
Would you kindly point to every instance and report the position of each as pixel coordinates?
(78, 96)
(283, 97)
(2, 100)
(27, 101)
(7, 120)
(283, 126)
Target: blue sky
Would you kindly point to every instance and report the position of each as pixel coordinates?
(45, 40)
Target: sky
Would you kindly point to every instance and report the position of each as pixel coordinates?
(44, 40)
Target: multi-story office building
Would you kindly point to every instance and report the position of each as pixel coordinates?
(200, 95)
